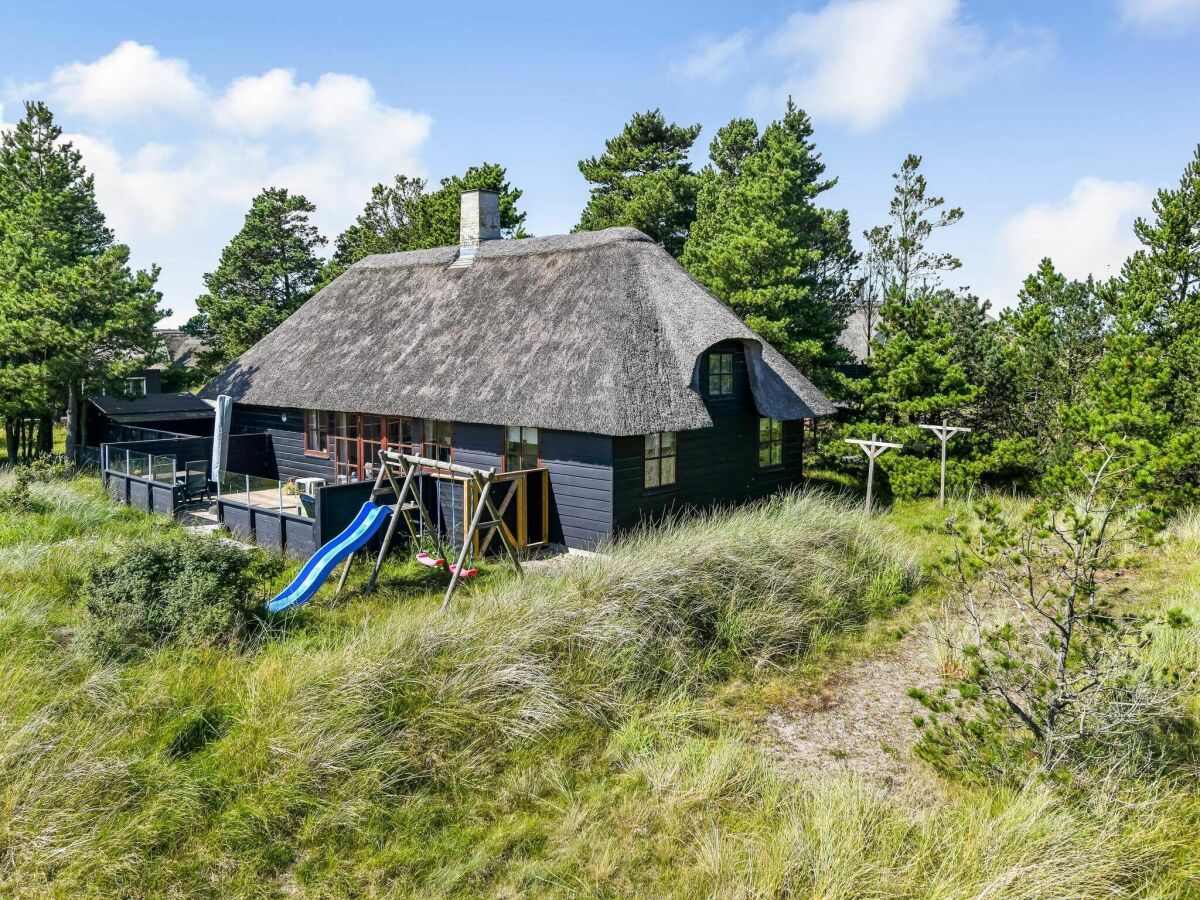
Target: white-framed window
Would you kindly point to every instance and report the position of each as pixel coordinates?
(316, 432)
(659, 459)
(135, 387)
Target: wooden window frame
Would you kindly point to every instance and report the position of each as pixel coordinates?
(322, 434)
(773, 444)
(436, 444)
(360, 442)
(655, 440)
(720, 378)
(136, 378)
(504, 445)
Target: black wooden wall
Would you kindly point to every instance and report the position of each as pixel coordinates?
(287, 440)
(714, 466)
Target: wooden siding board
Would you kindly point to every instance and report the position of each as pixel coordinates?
(237, 520)
(581, 483)
(287, 440)
(162, 499)
(268, 531)
(299, 538)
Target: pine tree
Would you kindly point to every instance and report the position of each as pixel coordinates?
(643, 180)
(762, 244)
(387, 224)
(1143, 398)
(265, 274)
(437, 214)
(1049, 343)
(71, 310)
(899, 249)
(402, 216)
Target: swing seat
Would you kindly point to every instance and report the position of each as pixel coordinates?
(465, 573)
(432, 562)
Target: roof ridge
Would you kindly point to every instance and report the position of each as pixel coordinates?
(539, 245)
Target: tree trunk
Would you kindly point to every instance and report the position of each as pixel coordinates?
(72, 418)
(45, 441)
(11, 442)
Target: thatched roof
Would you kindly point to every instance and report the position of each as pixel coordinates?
(597, 332)
(856, 337)
(181, 350)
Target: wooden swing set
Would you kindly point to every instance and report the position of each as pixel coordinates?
(401, 475)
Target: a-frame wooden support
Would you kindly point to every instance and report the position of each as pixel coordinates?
(408, 500)
(944, 433)
(874, 448)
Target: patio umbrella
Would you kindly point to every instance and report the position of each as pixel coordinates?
(221, 435)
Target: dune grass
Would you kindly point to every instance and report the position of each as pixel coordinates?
(566, 734)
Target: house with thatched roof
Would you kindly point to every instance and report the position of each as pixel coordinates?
(592, 356)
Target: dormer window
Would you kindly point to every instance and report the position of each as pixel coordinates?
(720, 375)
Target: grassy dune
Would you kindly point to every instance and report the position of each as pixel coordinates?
(572, 733)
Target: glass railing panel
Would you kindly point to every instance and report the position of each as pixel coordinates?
(162, 469)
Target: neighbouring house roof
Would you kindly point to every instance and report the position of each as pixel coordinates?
(182, 350)
(597, 332)
(153, 407)
(855, 337)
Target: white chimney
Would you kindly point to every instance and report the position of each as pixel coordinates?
(479, 221)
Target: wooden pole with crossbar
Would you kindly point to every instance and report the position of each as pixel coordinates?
(944, 433)
(873, 448)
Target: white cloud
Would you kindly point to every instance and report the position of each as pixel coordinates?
(860, 62)
(177, 201)
(131, 82)
(1088, 233)
(1155, 13)
(341, 110)
(714, 58)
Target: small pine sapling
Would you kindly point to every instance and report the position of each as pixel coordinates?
(1053, 675)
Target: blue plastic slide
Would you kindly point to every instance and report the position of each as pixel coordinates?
(368, 521)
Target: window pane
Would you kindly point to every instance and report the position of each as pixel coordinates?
(372, 428)
(727, 384)
(764, 455)
(651, 473)
(668, 443)
(776, 430)
(668, 470)
(651, 446)
(513, 434)
(764, 429)
(531, 441)
(777, 454)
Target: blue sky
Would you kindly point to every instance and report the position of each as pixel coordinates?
(1049, 123)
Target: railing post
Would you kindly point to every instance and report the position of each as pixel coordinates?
(126, 460)
(247, 492)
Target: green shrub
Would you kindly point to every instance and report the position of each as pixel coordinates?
(194, 592)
